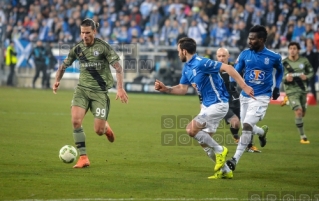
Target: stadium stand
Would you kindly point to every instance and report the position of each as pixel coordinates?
(154, 27)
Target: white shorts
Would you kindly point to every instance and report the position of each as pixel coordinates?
(212, 115)
(252, 111)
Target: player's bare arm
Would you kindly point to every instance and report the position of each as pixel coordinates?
(234, 74)
(58, 76)
(121, 93)
(180, 89)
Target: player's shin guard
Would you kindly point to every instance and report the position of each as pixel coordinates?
(234, 131)
(210, 153)
(204, 138)
(79, 139)
(243, 143)
(299, 124)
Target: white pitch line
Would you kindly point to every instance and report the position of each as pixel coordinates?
(35, 113)
(132, 199)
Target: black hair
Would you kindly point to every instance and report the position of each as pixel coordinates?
(187, 44)
(294, 43)
(260, 30)
(90, 23)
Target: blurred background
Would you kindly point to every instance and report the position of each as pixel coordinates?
(144, 33)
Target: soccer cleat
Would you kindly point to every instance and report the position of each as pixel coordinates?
(231, 163)
(220, 159)
(263, 139)
(304, 141)
(82, 162)
(236, 140)
(284, 102)
(220, 175)
(109, 132)
(252, 149)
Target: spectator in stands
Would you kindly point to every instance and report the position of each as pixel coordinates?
(234, 35)
(51, 61)
(155, 13)
(219, 35)
(155, 19)
(39, 56)
(134, 30)
(316, 38)
(11, 61)
(194, 32)
(309, 33)
(270, 15)
(281, 25)
(181, 33)
(164, 39)
(243, 36)
(105, 30)
(289, 33)
(313, 56)
(299, 29)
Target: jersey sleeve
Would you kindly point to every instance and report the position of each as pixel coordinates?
(308, 69)
(239, 65)
(111, 55)
(210, 66)
(279, 71)
(184, 79)
(70, 58)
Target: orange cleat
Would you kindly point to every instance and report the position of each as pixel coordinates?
(109, 132)
(284, 101)
(82, 162)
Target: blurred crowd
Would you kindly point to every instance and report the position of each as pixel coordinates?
(212, 23)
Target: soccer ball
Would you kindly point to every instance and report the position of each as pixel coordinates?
(68, 154)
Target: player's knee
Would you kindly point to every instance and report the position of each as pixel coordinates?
(194, 127)
(299, 112)
(235, 123)
(76, 122)
(99, 130)
(191, 132)
(247, 127)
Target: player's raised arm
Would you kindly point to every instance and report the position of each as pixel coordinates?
(236, 76)
(180, 89)
(121, 93)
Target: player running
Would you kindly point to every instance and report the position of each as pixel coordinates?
(95, 57)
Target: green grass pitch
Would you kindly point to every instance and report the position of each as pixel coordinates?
(142, 164)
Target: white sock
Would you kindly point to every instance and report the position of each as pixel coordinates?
(212, 156)
(204, 138)
(242, 144)
(225, 168)
(258, 131)
(210, 153)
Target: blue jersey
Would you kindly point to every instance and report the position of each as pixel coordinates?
(203, 74)
(258, 69)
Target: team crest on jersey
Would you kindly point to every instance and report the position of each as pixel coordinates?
(194, 72)
(97, 50)
(96, 53)
(266, 61)
(301, 66)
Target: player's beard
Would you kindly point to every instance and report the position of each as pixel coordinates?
(183, 58)
(88, 41)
